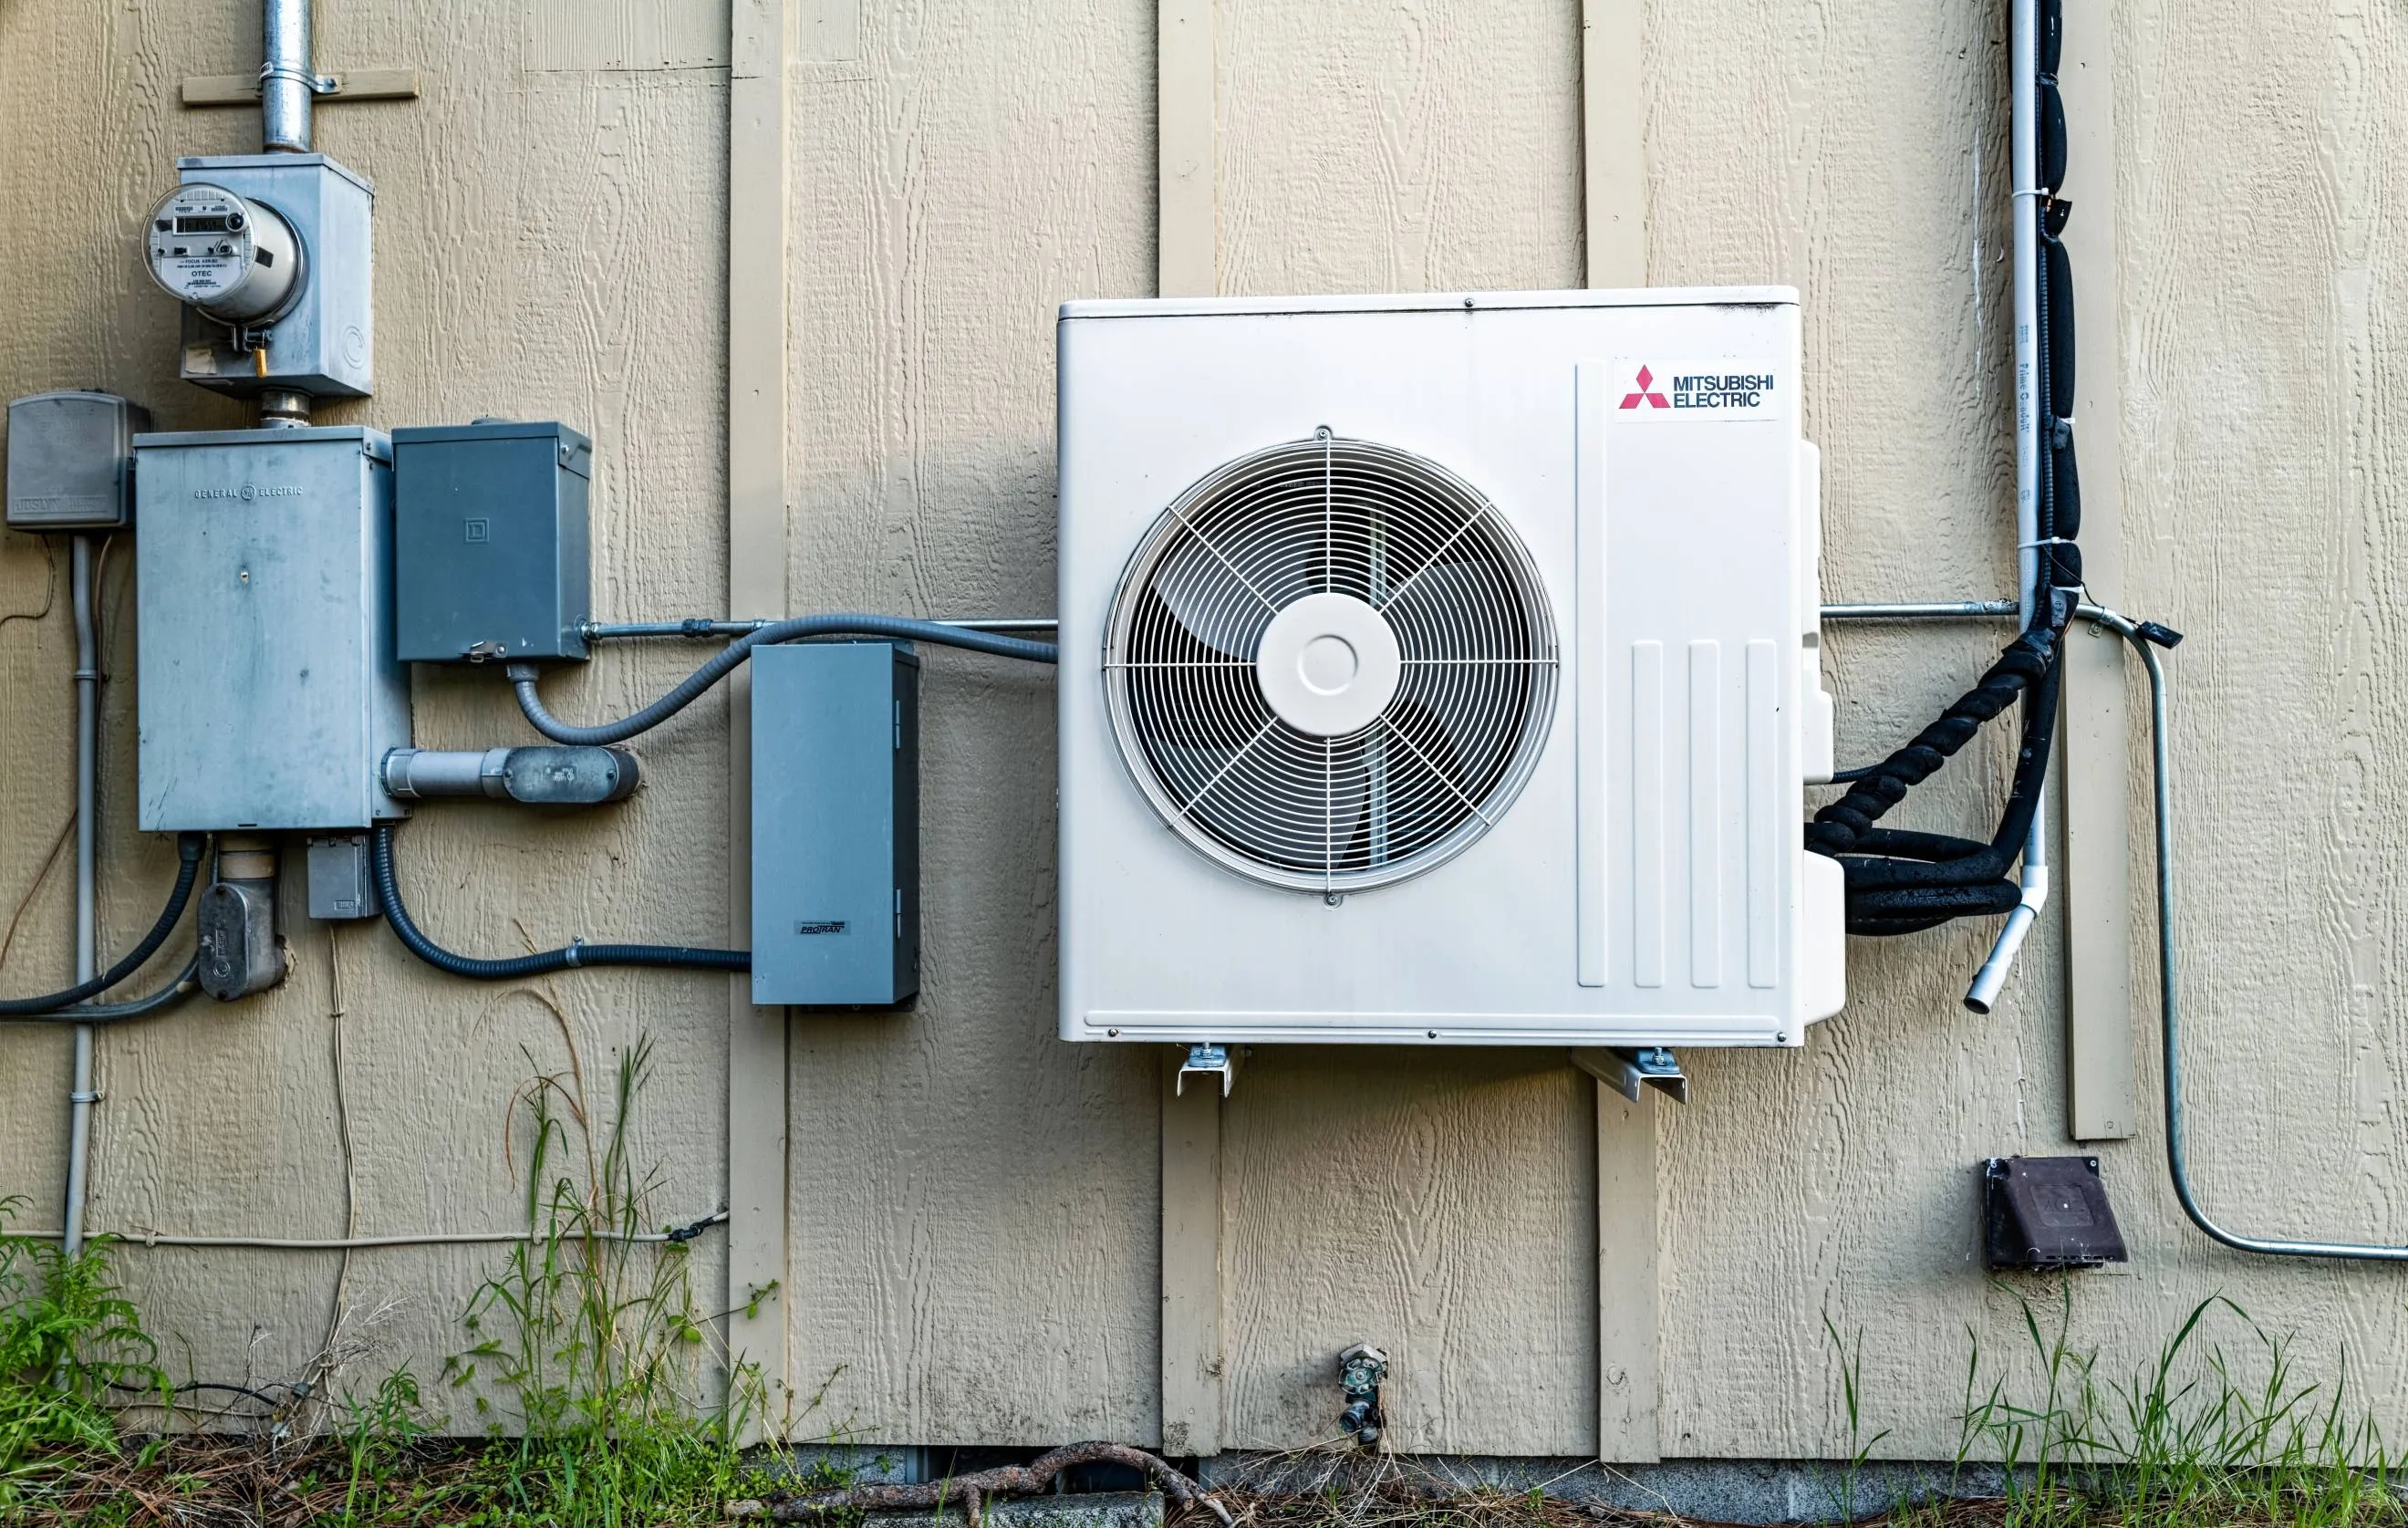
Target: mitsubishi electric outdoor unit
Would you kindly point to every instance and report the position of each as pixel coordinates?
(1441, 668)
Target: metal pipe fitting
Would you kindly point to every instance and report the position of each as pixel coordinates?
(240, 950)
(536, 776)
(287, 84)
(280, 407)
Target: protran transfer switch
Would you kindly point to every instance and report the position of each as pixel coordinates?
(490, 556)
(836, 824)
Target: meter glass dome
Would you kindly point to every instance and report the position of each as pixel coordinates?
(233, 259)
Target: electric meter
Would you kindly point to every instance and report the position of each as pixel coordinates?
(233, 259)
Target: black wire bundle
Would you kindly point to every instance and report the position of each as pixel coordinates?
(1900, 882)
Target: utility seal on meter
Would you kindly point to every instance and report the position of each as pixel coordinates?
(1726, 388)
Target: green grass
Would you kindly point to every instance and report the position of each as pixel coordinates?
(70, 1343)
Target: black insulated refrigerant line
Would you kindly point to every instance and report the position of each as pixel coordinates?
(675, 956)
(522, 676)
(1899, 882)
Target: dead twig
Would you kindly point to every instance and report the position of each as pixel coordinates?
(971, 1491)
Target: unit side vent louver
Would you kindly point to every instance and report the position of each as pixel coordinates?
(1331, 665)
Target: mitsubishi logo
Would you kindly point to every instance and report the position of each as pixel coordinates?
(1652, 399)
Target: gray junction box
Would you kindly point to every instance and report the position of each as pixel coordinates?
(836, 824)
(269, 691)
(71, 461)
(491, 551)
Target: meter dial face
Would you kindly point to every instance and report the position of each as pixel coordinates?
(230, 257)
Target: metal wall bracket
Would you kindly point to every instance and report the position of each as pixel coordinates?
(1630, 1070)
(1207, 1060)
(347, 85)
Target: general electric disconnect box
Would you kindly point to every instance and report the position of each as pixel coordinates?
(269, 692)
(836, 824)
(491, 553)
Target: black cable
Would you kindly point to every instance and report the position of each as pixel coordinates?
(187, 982)
(189, 849)
(677, 957)
(522, 676)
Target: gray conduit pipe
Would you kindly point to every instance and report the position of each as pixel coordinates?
(80, 1095)
(434, 1238)
(2024, 138)
(287, 85)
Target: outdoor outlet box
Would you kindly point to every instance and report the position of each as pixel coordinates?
(270, 694)
(490, 551)
(323, 342)
(2046, 1212)
(71, 461)
(836, 824)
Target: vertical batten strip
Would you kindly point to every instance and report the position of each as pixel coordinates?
(1705, 813)
(2101, 1087)
(1613, 230)
(1588, 671)
(757, 1262)
(1188, 223)
(1767, 832)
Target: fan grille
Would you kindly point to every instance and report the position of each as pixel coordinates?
(1441, 762)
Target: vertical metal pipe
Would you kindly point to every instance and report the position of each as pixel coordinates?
(2024, 134)
(287, 86)
(87, 677)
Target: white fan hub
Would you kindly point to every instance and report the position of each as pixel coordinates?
(1328, 665)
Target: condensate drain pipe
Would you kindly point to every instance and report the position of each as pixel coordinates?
(2024, 133)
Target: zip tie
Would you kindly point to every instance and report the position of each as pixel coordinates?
(2045, 540)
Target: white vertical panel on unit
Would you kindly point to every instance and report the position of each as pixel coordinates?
(1705, 813)
(1764, 838)
(1647, 813)
(1588, 665)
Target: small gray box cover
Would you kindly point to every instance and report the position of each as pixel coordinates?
(71, 461)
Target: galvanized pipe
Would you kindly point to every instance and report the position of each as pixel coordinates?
(287, 85)
(80, 1094)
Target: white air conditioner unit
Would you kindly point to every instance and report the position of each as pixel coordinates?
(1441, 668)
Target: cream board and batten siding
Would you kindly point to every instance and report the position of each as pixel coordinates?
(974, 1208)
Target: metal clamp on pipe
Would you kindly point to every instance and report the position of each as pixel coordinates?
(534, 776)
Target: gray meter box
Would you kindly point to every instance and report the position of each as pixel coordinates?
(326, 345)
(269, 691)
(71, 461)
(836, 824)
(491, 557)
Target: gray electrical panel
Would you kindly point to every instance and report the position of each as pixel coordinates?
(836, 824)
(325, 345)
(71, 461)
(491, 553)
(269, 692)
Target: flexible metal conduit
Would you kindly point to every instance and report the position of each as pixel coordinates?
(522, 676)
(2138, 635)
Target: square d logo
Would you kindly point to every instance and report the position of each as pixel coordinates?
(480, 530)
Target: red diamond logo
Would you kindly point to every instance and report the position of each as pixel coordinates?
(1645, 395)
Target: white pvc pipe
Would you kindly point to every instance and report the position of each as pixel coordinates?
(80, 1097)
(2024, 133)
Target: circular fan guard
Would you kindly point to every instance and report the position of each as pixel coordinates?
(1438, 764)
